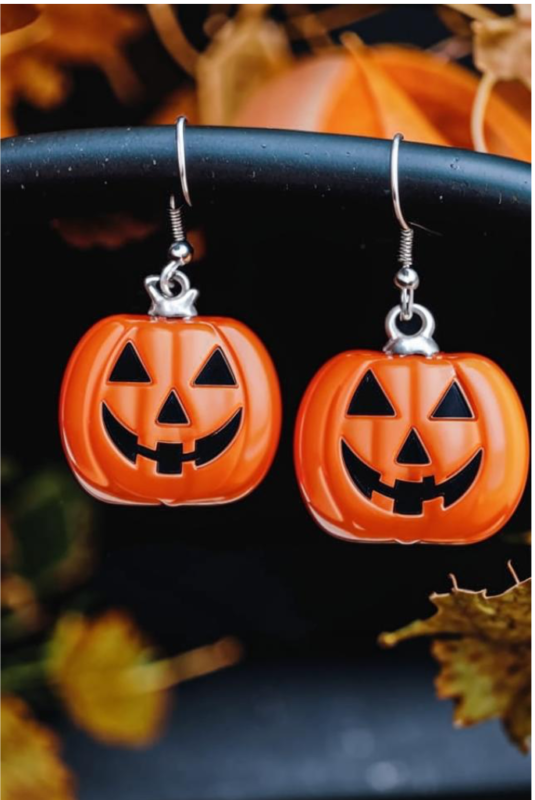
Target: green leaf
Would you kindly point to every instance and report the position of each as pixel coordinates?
(51, 521)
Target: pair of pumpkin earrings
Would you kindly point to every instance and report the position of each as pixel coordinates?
(407, 445)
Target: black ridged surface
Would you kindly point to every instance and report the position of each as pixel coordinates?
(118, 167)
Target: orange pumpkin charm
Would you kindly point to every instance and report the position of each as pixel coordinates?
(411, 448)
(170, 408)
(170, 411)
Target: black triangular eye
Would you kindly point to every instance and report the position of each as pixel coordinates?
(453, 405)
(369, 399)
(216, 372)
(128, 367)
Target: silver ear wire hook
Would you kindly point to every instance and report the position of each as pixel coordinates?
(181, 157)
(166, 301)
(407, 278)
(175, 211)
(394, 181)
(407, 281)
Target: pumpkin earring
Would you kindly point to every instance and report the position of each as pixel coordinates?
(412, 444)
(170, 408)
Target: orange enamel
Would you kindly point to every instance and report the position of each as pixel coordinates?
(414, 385)
(173, 353)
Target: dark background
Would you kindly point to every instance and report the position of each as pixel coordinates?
(307, 607)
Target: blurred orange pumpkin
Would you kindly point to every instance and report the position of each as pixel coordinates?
(378, 91)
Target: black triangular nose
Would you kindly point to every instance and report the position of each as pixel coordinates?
(172, 412)
(413, 451)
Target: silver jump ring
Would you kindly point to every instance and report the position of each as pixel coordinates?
(407, 304)
(181, 157)
(170, 277)
(426, 329)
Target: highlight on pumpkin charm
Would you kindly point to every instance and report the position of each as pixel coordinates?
(411, 444)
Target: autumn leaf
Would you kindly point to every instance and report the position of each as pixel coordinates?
(245, 52)
(319, 26)
(17, 15)
(22, 611)
(486, 657)
(105, 672)
(502, 46)
(502, 52)
(51, 521)
(35, 55)
(31, 766)
(90, 664)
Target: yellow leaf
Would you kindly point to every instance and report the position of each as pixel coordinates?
(105, 673)
(17, 15)
(486, 659)
(31, 766)
(92, 664)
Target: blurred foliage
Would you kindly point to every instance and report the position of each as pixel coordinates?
(46, 545)
(484, 651)
(107, 675)
(40, 42)
(31, 766)
(104, 672)
(10, 471)
(17, 15)
(502, 46)
(52, 520)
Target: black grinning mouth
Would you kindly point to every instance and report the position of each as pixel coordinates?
(409, 496)
(170, 456)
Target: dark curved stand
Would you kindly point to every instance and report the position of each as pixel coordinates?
(69, 172)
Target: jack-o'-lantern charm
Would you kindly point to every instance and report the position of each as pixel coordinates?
(170, 408)
(170, 411)
(411, 445)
